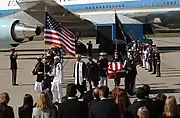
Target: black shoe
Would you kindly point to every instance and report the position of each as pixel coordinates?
(15, 84)
(158, 76)
(149, 70)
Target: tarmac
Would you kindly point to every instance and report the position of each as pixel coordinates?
(169, 83)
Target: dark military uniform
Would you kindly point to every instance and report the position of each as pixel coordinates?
(150, 59)
(103, 67)
(13, 58)
(89, 48)
(154, 61)
(39, 71)
(130, 76)
(92, 73)
(158, 60)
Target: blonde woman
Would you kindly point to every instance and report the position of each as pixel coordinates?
(170, 108)
(143, 112)
(42, 109)
(5, 110)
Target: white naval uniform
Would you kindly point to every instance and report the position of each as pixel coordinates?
(56, 87)
(145, 62)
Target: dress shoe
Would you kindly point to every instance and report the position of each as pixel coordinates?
(15, 84)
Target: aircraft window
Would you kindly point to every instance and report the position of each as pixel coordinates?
(96, 6)
(109, 6)
(171, 2)
(99, 6)
(116, 5)
(89, 7)
(119, 5)
(113, 6)
(93, 7)
(106, 6)
(103, 6)
(122, 5)
(86, 7)
(167, 2)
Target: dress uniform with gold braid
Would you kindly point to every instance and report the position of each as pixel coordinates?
(158, 61)
(13, 58)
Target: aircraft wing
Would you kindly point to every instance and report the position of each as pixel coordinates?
(73, 21)
(36, 9)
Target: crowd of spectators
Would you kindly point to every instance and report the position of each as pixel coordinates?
(97, 103)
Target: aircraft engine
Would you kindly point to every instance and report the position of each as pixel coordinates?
(14, 32)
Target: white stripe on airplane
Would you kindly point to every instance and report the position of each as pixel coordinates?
(74, 2)
(121, 11)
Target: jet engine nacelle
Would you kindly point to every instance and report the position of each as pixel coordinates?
(14, 32)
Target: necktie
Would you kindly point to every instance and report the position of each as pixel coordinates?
(78, 73)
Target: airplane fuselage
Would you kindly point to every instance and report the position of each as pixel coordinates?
(168, 11)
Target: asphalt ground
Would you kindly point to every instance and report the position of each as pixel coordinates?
(169, 83)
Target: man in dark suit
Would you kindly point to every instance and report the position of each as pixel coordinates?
(140, 102)
(13, 58)
(92, 72)
(95, 95)
(88, 97)
(72, 108)
(105, 108)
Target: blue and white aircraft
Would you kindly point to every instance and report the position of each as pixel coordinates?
(19, 18)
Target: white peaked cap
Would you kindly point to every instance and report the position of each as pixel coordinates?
(48, 55)
(56, 57)
(102, 53)
(43, 60)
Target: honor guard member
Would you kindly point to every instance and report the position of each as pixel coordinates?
(48, 69)
(154, 60)
(39, 71)
(118, 57)
(90, 46)
(58, 79)
(103, 68)
(13, 58)
(92, 73)
(130, 77)
(150, 49)
(158, 61)
(80, 75)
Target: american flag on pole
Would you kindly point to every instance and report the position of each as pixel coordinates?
(57, 35)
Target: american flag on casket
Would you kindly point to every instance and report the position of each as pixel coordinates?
(116, 69)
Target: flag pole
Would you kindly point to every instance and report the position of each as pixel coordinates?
(44, 42)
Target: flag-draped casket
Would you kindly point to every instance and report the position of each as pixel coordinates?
(115, 69)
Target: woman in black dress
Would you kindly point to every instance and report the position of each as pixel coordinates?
(25, 111)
